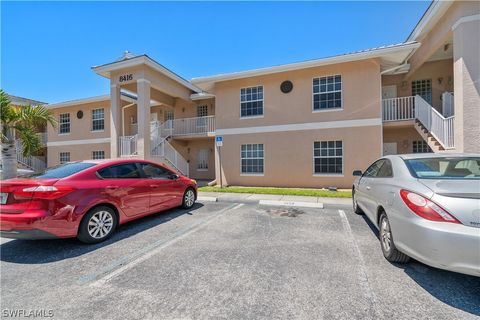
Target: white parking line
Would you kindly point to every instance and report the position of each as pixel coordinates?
(362, 270)
(121, 265)
(291, 203)
(238, 206)
(206, 199)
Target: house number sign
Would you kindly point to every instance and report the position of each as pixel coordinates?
(125, 77)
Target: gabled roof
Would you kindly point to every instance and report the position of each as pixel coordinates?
(431, 16)
(390, 56)
(129, 60)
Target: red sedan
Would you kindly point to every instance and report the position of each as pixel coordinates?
(89, 199)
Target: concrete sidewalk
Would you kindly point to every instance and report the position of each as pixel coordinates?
(248, 197)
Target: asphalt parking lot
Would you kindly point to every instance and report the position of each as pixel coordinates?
(231, 260)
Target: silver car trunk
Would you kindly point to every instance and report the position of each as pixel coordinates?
(461, 198)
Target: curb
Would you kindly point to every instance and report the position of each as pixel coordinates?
(291, 203)
(207, 199)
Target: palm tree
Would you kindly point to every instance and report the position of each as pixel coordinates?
(22, 123)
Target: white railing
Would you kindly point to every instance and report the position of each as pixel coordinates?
(128, 145)
(447, 104)
(32, 162)
(43, 138)
(440, 128)
(192, 126)
(175, 158)
(401, 108)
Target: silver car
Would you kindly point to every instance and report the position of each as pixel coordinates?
(425, 206)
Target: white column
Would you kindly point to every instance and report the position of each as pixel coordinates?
(143, 118)
(466, 68)
(115, 119)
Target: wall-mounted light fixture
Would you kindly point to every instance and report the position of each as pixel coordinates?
(404, 84)
(405, 144)
(440, 80)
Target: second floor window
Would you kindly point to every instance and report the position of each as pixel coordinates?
(327, 93)
(98, 120)
(251, 101)
(64, 123)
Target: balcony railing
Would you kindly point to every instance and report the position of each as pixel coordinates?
(397, 109)
(439, 126)
(127, 145)
(190, 126)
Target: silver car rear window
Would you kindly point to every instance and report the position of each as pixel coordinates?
(445, 168)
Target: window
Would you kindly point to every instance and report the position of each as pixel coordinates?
(62, 171)
(121, 171)
(421, 146)
(386, 170)
(328, 157)
(252, 158)
(327, 93)
(202, 160)
(202, 111)
(155, 172)
(64, 123)
(373, 170)
(423, 88)
(64, 157)
(98, 120)
(98, 155)
(251, 101)
(445, 168)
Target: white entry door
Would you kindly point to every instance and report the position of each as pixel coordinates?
(389, 92)
(389, 148)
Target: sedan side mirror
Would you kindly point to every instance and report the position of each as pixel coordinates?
(357, 173)
(174, 176)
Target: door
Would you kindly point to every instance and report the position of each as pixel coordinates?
(124, 185)
(166, 191)
(389, 148)
(389, 92)
(365, 189)
(168, 115)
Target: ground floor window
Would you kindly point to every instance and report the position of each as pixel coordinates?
(421, 146)
(64, 157)
(328, 157)
(100, 154)
(252, 158)
(202, 160)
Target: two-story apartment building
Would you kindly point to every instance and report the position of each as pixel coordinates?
(306, 124)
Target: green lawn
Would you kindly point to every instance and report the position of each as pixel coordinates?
(282, 191)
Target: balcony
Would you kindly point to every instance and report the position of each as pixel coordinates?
(189, 127)
(398, 109)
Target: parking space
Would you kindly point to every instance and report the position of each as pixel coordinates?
(232, 260)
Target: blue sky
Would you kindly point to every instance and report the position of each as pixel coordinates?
(47, 48)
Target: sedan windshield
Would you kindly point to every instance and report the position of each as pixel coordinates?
(445, 168)
(61, 171)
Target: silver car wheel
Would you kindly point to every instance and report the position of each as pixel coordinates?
(189, 198)
(100, 224)
(386, 235)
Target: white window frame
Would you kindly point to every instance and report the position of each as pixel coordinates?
(98, 152)
(202, 163)
(257, 100)
(61, 156)
(246, 158)
(328, 174)
(64, 115)
(334, 91)
(99, 119)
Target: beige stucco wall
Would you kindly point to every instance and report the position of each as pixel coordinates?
(361, 96)
(77, 152)
(288, 160)
(467, 86)
(403, 136)
(439, 72)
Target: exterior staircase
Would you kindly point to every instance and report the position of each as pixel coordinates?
(428, 137)
(31, 162)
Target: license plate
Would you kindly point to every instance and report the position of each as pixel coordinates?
(3, 197)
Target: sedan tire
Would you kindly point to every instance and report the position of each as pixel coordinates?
(97, 225)
(389, 250)
(188, 198)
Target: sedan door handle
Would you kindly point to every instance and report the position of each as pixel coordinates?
(154, 186)
(111, 187)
